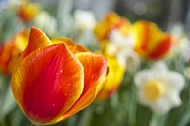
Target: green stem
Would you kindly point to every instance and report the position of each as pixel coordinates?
(155, 120)
(85, 117)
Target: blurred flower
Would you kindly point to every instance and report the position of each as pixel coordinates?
(150, 42)
(181, 43)
(114, 32)
(65, 78)
(113, 80)
(11, 50)
(83, 25)
(84, 19)
(27, 11)
(159, 88)
(43, 20)
(117, 42)
(130, 58)
(122, 47)
(111, 21)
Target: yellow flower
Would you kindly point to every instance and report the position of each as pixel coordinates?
(111, 21)
(113, 80)
(28, 11)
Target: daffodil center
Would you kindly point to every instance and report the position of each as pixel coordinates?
(153, 90)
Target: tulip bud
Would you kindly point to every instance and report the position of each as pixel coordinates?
(54, 79)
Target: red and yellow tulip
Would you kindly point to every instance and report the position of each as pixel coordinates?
(114, 78)
(11, 50)
(54, 79)
(150, 41)
(28, 11)
(110, 22)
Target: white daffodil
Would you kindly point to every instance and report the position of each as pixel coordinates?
(84, 19)
(121, 40)
(159, 88)
(130, 58)
(122, 47)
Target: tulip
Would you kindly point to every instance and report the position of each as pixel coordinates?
(113, 80)
(150, 41)
(11, 50)
(54, 79)
(28, 11)
(111, 21)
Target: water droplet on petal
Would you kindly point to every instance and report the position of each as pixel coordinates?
(61, 71)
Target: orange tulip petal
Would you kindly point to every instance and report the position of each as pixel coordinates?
(37, 39)
(95, 68)
(47, 83)
(73, 47)
(69, 42)
(81, 48)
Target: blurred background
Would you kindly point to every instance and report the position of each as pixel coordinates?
(59, 18)
(160, 11)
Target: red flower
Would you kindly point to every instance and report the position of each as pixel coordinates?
(151, 42)
(11, 50)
